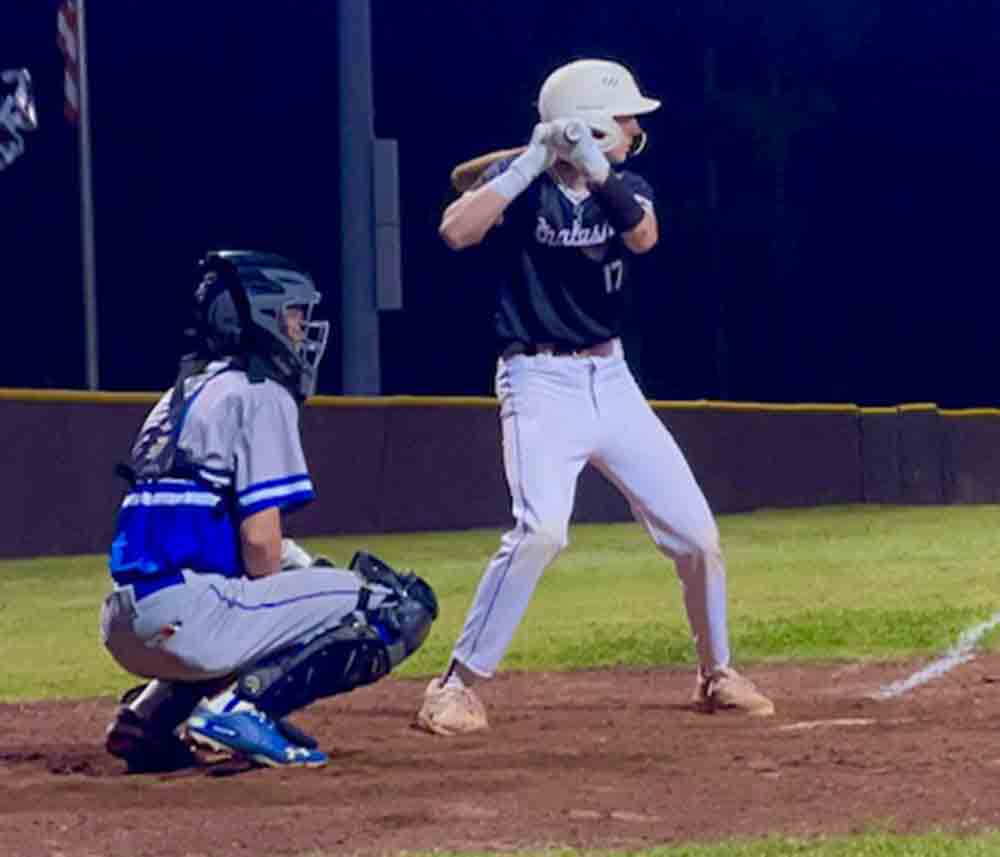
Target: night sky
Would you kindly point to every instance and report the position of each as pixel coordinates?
(848, 255)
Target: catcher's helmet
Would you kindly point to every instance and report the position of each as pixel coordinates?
(596, 91)
(259, 306)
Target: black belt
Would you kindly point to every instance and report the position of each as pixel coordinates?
(144, 584)
(597, 349)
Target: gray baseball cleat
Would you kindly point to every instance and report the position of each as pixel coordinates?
(726, 688)
(451, 710)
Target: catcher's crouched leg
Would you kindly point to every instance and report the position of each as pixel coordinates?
(148, 743)
(143, 748)
(143, 744)
(365, 647)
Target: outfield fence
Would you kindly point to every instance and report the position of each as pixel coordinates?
(396, 464)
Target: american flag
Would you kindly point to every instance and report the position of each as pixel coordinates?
(69, 45)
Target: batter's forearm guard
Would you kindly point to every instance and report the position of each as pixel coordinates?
(618, 204)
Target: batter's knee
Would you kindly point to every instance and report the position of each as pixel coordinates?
(701, 546)
(545, 542)
(701, 558)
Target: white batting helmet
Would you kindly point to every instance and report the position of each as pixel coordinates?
(596, 91)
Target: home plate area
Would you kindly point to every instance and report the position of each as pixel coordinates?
(612, 758)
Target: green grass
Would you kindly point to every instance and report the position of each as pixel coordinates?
(859, 582)
(873, 845)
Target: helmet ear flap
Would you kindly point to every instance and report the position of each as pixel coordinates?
(220, 277)
(639, 143)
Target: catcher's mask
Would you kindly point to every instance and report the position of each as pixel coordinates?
(596, 91)
(259, 306)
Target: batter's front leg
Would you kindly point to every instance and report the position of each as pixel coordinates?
(503, 595)
(542, 464)
(548, 433)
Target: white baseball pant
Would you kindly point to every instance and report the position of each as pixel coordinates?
(558, 413)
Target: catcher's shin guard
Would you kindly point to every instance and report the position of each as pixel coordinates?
(363, 648)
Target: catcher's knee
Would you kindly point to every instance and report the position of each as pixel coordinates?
(363, 648)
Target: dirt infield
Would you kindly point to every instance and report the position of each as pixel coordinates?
(611, 758)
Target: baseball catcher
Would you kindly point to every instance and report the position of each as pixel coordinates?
(236, 625)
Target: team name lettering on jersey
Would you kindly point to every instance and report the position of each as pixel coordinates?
(577, 235)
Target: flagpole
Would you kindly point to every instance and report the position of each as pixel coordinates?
(87, 209)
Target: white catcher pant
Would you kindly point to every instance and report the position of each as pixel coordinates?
(558, 414)
(210, 625)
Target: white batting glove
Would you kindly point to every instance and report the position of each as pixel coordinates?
(529, 165)
(293, 556)
(574, 141)
(540, 152)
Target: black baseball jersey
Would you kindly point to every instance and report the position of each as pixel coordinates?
(561, 265)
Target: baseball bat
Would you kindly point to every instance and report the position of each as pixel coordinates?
(465, 176)
(467, 173)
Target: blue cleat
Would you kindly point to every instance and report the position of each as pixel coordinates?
(253, 734)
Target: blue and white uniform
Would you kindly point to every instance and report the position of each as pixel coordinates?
(183, 608)
(567, 398)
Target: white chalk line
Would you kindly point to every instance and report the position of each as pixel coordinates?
(962, 652)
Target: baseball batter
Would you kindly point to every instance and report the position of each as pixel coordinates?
(237, 626)
(564, 218)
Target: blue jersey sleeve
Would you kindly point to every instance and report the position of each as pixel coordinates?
(270, 465)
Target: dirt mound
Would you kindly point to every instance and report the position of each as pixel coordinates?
(609, 758)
